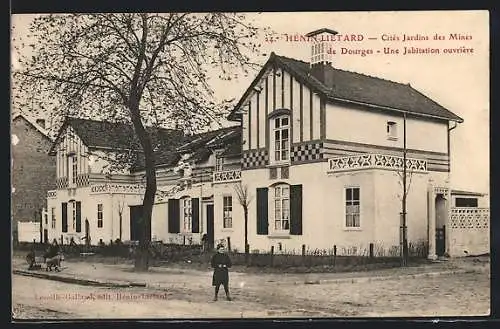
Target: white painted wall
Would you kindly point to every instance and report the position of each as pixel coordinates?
(369, 127)
(28, 231)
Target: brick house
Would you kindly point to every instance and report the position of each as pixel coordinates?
(33, 170)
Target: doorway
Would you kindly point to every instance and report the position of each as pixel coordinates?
(210, 225)
(136, 225)
(441, 215)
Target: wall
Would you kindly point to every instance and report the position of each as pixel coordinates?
(312, 177)
(33, 171)
(280, 90)
(28, 231)
(469, 232)
(388, 204)
(89, 202)
(237, 231)
(369, 126)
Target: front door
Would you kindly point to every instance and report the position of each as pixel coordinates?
(440, 241)
(210, 225)
(136, 224)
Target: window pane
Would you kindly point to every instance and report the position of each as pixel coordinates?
(277, 155)
(356, 194)
(284, 144)
(284, 134)
(277, 135)
(277, 146)
(277, 123)
(277, 225)
(284, 122)
(356, 220)
(348, 194)
(277, 205)
(286, 225)
(284, 155)
(277, 191)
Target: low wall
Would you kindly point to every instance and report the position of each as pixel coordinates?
(28, 231)
(469, 231)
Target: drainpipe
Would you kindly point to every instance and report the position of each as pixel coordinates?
(449, 148)
(448, 196)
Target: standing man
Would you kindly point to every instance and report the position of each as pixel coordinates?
(220, 263)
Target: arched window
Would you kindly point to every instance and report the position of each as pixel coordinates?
(281, 207)
(186, 212)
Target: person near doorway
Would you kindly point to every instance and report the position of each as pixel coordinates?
(221, 263)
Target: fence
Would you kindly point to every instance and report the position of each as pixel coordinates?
(194, 254)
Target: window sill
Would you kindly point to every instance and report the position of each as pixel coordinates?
(352, 229)
(279, 236)
(228, 230)
(392, 138)
(278, 164)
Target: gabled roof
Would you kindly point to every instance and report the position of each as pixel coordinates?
(356, 88)
(20, 114)
(116, 135)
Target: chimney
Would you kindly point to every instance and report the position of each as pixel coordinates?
(321, 54)
(41, 123)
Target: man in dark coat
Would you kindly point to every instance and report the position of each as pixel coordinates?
(220, 263)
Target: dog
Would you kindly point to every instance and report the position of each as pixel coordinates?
(54, 262)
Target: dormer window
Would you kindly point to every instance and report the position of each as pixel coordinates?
(281, 138)
(392, 130)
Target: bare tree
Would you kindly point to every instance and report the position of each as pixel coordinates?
(244, 200)
(142, 69)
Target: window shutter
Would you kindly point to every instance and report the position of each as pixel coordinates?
(173, 216)
(262, 213)
(195, 212)
(78, 217)
(296, 209)
(64, 208)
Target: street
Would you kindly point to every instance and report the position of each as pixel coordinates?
(445, 295)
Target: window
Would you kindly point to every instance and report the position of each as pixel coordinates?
(186, 214)
(466, 202)
(282, 208)
(99, 215)
(392, 131)
(46, 218)
(352, 207)
(281, 138)
(219, 163)
(53, 217)
(73, 207)
(228, 211)
(72, 169)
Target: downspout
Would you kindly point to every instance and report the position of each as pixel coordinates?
(449, 149)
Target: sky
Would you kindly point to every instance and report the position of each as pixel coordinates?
(458, 81)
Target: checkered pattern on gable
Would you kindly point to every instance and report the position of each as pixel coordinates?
(62, 182)
(82, 180)
(255, 158)
(306, 152)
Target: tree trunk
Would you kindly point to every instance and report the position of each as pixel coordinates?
(247, 247)
(142, 255)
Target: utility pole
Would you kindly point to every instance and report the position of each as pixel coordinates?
(404, 251)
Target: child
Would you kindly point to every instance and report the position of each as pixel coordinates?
(220, 263)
